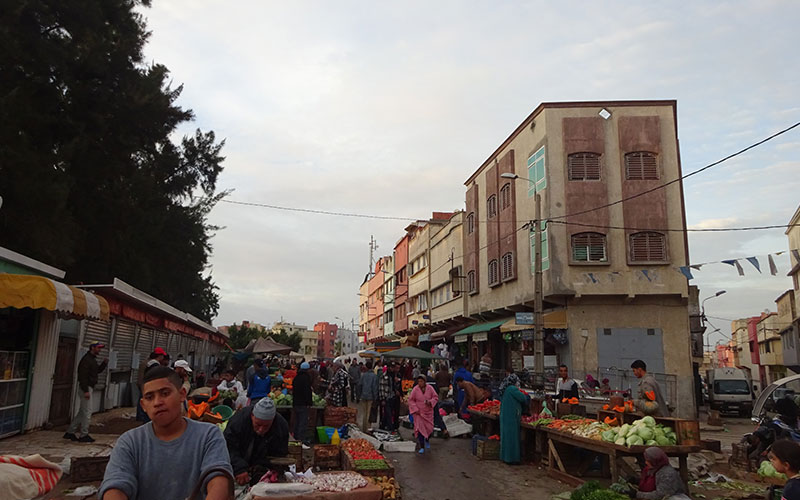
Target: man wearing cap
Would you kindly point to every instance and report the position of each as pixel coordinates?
(183, 369)
(255, 434)
(87, 379)
(301, 402)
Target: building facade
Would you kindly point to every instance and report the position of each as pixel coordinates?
(791, 333)
(770, 348)
(387, 270)
(609, 271)
(401, 287)
(326, 339)
(363, 309)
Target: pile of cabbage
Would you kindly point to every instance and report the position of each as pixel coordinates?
(643, 432)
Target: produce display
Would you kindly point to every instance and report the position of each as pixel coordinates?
(578, 426)
(766, 469)
(282, 399)
(366, 455)
(592, 490)
(643, 432)
(336, 481)
(537, 421)
(371, 464)
(491, 406)
(627, 407)
(387, 485)
(354, 446)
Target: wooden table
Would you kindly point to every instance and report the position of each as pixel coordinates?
(613, 465)
(484, 423)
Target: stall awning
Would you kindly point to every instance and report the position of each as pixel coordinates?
(479, 327)
(36, 292)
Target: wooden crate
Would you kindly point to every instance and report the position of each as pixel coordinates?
(87, 469)
(348, 463)
(488, 450)
(327, 456)
(338, 416)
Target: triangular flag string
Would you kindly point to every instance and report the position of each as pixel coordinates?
(755, 263)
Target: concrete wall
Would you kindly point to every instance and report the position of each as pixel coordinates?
(401, 288)
(446, 241)
(417, 282)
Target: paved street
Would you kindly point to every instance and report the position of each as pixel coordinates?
(450, 472)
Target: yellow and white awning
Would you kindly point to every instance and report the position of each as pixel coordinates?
(21, 291)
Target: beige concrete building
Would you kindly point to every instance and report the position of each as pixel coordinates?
(785, 323)
(793, 234)
(609, 271)
(741, 344)
(770, 348)
(447, 297)
(388, 298)
(363, 309)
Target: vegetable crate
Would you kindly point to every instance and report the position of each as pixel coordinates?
(350, 464)
(296, 453)
(86, 469)
(327, 456)
(485, 448)
(338, 416)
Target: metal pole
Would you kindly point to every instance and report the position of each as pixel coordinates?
(538, 342)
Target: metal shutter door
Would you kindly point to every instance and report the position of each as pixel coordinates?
(172, 346)
(161, 339)
(145, 344)
(124, 338)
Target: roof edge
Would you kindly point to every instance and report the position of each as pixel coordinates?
(33, 264)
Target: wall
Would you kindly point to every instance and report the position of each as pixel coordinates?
(43, 366)
(446, 242)
(418, 282)
(388, 296)
(401, 286)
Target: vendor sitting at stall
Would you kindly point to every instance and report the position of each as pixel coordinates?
(566, 387)
(254, 435)
(234, 393)
(659, 479)
(472, 394)
(167, 457)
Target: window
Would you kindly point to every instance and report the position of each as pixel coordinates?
(648, 247)
(536, 172)
(589, 247)
(505, 196)
(471, 223)
(442, 295)
(583, 166)
(422, 302)
(508, 266)
(491, 206)
(494, 278)
(766, 347)
(471, 282)
(456, 285)
(545, 249)
(641, 165)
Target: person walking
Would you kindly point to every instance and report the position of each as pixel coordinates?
(88, 370)
(354, 371)
(337, 389)
(301, 402)
(369, 396)
(512, 402)
(421, 405)
(649, 391)
(442, 378)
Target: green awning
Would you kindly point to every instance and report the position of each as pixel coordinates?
(480, 327)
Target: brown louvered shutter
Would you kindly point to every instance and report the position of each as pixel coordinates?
(583, 166)
(648, 247)
(589, 247)
(641, 165)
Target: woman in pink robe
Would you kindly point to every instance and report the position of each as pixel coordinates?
(421, 405)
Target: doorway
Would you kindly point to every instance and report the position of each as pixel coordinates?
(62, 381)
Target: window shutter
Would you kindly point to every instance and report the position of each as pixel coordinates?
(648, 247)
(583, 166)
(641, 165)
(589, 247)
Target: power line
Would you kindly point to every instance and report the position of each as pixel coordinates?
(679, 230)
(710, 165)
(315, 211)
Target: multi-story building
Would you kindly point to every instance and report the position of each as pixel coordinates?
(308, 338)
(791, 332)
(447, 288)
(289, 328)
(388, 297)
(743, 349)
(769, 346)
(326, 339)
(348, 339)
(786, 314)
(375, 303)
(363, 309)
(400, 286)
(607, 265)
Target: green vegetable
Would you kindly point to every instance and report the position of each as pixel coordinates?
(651, 442)
(583, 491)
(649, 421)
(645, 433)
(609, 436)
(662, 440)
(766, 469)
(620, 441)
(634, 440)
(623, 431)
(605, 495)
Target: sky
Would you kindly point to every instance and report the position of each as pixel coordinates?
(387, 108)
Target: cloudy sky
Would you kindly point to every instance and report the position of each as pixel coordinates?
(386, 108)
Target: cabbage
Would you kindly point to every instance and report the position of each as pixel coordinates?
(620, 441)
(623, 431)
(609, 436)
(658, 431)
(645, 433)
(768, 470)
(651, 443)
(634, 441)
(662, 440)
(649, 421)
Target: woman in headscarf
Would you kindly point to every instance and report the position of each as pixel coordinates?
(659, 479)
(592, 382)
(421, 405)
(511, 404)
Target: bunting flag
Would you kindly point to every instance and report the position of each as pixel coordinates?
(735, 263)
(646, 274)
(796, 254)
(686, 272)
(612, 276)
(773, 269)
(755, 263)
(591, 276)
(696, 267)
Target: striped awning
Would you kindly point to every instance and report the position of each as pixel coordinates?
(36, 292)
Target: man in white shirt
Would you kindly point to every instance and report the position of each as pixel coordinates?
(566, 387)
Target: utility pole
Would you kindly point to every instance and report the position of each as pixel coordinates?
(538, 338)
(373, 245)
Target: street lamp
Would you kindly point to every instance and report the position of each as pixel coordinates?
(703, 304)
(538, 337)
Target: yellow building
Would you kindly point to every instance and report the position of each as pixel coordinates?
(770, 348)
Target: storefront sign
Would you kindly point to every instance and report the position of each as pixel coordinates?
(460, 339)
(524, 318)
(480, 337)
(527, 334)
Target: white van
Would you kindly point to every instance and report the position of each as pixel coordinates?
(730, 390)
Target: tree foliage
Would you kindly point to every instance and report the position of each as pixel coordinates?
(91, 178)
